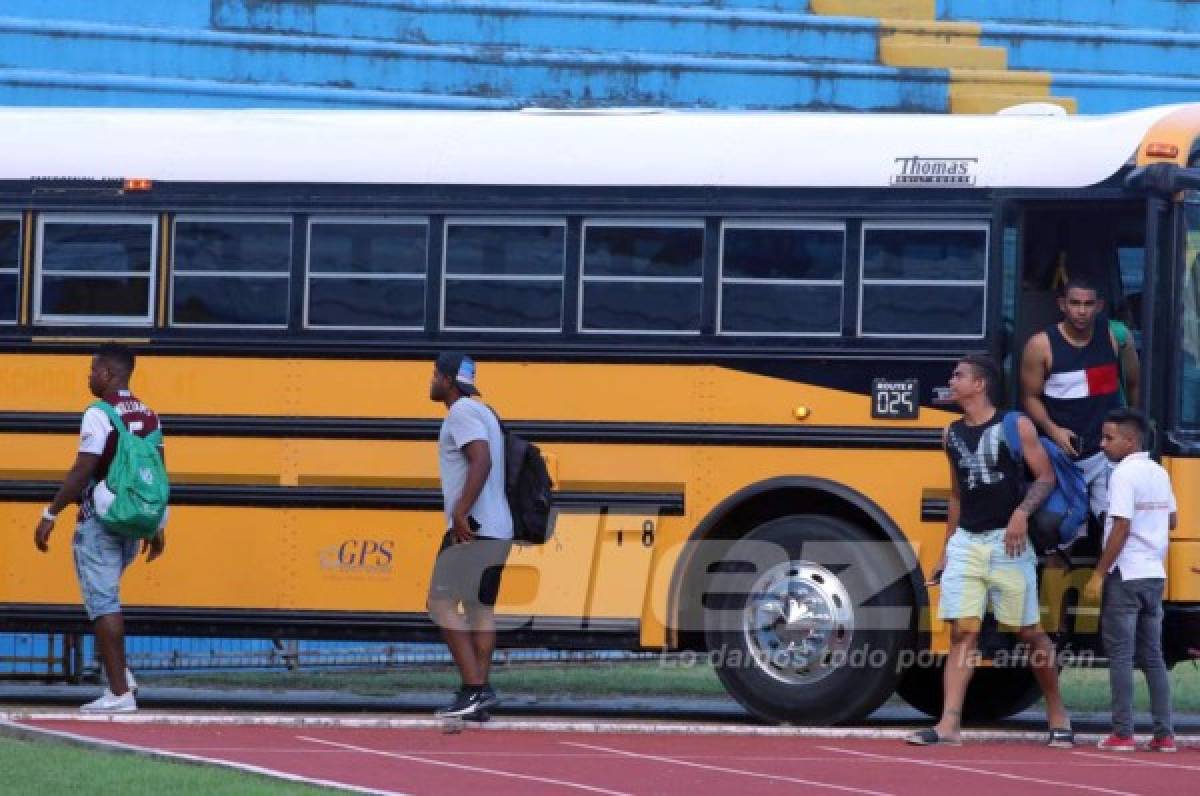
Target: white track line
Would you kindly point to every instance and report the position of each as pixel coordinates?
(955, 767)
(25, 731)
(461, 767)
(678, 762)
(536, 725)
(1116, 758)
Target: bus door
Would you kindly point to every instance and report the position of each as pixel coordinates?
(1181, 442)
(1102, 241)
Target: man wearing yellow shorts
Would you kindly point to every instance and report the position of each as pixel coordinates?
(988, 561)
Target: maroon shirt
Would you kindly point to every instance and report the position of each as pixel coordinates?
(97, 436)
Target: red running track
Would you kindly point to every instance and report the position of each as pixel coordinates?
(425, 761)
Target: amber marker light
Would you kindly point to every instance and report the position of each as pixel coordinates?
(1160, 150)
(138, 184)
(801, 413)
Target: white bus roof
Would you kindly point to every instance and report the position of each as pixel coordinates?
(563, 148)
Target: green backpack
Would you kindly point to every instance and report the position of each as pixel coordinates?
(1121, 333)
(137, 480)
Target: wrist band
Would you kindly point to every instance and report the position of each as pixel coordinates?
(46, 515)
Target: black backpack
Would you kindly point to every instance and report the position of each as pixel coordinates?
(529, 488)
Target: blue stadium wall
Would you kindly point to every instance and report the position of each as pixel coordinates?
(889, 55)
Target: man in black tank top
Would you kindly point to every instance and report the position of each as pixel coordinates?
(988, 558)
(1071, 378)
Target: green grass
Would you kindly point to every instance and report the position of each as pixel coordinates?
(1085, 690)
(40, 768)
(581, 679)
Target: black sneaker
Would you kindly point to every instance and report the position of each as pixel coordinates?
(478, 717)
(459, 700)
(466, 702)
(489, 696)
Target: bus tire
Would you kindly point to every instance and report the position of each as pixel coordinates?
(786, 626)
(993, 694)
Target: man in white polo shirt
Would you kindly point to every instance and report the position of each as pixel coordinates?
(1131, 575)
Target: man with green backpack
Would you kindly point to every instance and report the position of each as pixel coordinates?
(120, 481)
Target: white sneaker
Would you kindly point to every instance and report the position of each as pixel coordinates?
(111, 703)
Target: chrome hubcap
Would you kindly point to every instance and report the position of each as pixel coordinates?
(799, 622)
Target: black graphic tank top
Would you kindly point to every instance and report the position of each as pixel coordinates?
(990, 482)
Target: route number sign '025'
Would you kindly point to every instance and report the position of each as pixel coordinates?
(895, 399)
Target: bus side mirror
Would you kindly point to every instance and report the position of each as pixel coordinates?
(1163, 178)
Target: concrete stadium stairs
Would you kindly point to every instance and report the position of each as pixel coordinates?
(890, 55)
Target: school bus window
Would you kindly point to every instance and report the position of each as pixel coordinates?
(642, 276)
(231, 271)
(95, 269)
(769, 271)
(504, 275)
(10, 262)
(923, 281)
(366, 273)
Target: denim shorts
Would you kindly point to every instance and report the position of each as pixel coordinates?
(980, 572)
(100, 558)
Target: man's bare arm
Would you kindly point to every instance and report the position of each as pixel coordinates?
(1039, 465)
(1033, 380)
(953, 510)
(76, 480)
(1131, 369)
(1116, 542)
(1035, 364)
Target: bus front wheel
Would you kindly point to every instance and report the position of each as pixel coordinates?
(805, 619)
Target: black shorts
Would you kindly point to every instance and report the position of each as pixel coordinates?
(469, 572)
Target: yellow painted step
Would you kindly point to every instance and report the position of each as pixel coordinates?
(988, 103)
(890, 9)
(914, 51)
(998, 81)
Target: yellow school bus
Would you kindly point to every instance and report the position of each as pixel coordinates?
(728, 332)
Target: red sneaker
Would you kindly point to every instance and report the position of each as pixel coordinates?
(1166, 744)
(1115, 743)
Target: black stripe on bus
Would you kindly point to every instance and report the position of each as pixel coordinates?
(934, 509)
(536, 430)
(564, 632)
(327, 497)
(269, 344)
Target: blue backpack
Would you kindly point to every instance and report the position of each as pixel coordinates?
(1059, 519)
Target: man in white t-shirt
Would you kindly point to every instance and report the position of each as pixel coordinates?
(1131, 576)
(479, 532)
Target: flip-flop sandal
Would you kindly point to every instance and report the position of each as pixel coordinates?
(1061, 738)
(930, 737)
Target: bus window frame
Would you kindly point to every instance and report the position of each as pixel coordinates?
(380, 220)
(641, 222)
(254, 218)
(774, 224)
(949, 224)
(41, 318)
(16, 269)
(1183, 429)
(502, 221)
